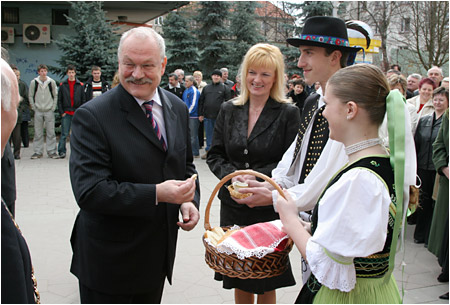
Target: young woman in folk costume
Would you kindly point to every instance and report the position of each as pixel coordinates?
(350, 245)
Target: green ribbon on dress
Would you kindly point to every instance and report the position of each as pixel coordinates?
(395, 103)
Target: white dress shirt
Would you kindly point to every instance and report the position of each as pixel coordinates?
(332, 159)
(157, 111)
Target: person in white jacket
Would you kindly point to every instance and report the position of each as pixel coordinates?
(43, 97)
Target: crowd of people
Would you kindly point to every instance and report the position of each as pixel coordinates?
(346, 159)
(41, 98)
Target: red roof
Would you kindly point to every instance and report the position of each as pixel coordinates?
(267, 9)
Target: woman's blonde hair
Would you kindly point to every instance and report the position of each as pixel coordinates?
(395, 79)
(266, 56)
(347, 84)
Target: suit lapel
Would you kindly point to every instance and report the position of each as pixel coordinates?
(269, 114)
(136, 117)
(239, 118)
(170, 120)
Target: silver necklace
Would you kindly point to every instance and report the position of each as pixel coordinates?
(351, 149)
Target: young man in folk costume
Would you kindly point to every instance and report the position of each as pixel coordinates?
(325, 49)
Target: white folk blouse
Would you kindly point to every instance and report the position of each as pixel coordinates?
(352, 222)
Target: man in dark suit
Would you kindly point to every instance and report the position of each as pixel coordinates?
(16, 269)
(130, 168)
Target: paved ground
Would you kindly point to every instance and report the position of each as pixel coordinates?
(46, 210)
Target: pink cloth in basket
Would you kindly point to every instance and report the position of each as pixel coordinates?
(255, 240)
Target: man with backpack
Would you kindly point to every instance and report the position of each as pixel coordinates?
(43, 97)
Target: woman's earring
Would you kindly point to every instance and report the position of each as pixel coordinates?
(348, 117)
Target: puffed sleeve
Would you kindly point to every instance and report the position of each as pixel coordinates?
(352, 222)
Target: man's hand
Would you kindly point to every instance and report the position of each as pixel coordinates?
(176, 191)
(262, 194)
(190, 216)
(243, 178)
(201, 118)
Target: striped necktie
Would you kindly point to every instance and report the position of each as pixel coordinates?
(149, 113)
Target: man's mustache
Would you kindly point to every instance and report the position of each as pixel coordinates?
(140, 81)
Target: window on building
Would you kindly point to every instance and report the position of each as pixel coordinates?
(264, 27)
(406, 25)
(59, 16)
(10, 15)
(159, 20)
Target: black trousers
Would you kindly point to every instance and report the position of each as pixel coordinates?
(16, 139)
(425, 210)
(24, 133)
(90, 296)
(201, 135)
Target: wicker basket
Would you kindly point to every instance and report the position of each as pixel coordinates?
(270, 265)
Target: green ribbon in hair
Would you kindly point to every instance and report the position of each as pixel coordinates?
(395, 103)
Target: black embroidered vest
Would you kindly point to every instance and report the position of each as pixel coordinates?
(318, 137)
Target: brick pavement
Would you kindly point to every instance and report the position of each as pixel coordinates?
(46, 210)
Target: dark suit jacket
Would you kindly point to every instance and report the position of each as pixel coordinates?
(9, 179)
(122, 241)
(232, 150)
(17, 284)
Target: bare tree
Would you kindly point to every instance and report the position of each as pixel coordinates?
(278, 20)
(380, 15)
(428, 35)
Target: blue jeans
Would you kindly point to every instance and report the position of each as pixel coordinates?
(209, 130)
(193, 129)
(66, 123)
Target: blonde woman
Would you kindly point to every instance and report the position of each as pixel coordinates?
(252, 132)
(199, 79)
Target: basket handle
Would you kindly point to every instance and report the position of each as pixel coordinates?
(207, 225)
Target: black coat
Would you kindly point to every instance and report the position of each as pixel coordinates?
(123, 243)
(8, 183)
(88, 87)
(299, 100)
(231, 150)
(426, 133)
(211, 98)
(17, 283)
(64, 101)
(177, 91)
(23, 113)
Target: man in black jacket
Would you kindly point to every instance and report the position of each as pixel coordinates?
(70, 97)
(175, 86)
(213, 95)
(96, 84)
(16, 269)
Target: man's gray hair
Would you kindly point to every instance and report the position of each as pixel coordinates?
(436, 67)
(179, 71)
(144, 32)
(6, 86)
(190, 78)
(416, 76)
(224, 70)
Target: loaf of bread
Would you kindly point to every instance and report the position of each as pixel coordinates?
(227, 234)
(234, 190)
(214, 235)
(218, 235)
